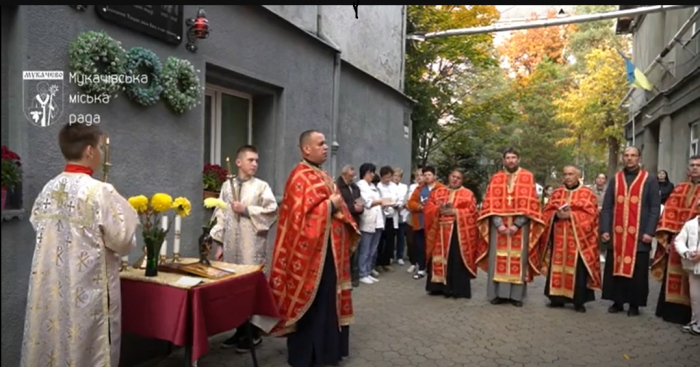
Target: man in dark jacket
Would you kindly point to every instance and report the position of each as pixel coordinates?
(351, 195)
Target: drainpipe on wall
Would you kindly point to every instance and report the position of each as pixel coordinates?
(404, 15)
(336, 92)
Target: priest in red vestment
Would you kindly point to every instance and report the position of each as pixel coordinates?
(310, 275)
(450, 221)
(674, 298)
(628, 221)
(510, 226)
(571, 259)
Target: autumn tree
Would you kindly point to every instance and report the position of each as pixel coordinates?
(537, 131)
(525, 49)
(599, 152)
(591, 109)
(536, 58)
(433, 67)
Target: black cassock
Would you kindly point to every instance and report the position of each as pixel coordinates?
(317, 340)
(633, 291)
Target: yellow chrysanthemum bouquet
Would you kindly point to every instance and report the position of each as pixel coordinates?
(150, 214)
(213, 203)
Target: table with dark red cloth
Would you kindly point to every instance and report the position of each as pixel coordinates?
(188, 317)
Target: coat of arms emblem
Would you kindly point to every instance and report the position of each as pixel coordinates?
(42, 96)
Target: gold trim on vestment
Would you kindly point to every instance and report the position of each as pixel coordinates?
(626, 200)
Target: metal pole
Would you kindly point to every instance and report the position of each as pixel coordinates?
(657, 61)
(548, 22)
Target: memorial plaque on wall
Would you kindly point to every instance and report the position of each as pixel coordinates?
(163, 22)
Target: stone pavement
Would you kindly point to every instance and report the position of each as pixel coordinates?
(398, 324)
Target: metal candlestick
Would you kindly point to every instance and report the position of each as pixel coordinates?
(106, 164)
(176, 257)
(230, 177)
(141, 262)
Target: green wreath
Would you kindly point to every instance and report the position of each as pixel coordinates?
(91, 51)
(181, 85)
(149, 94)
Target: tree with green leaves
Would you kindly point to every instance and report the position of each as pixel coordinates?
(434, 67)
(475, 144)
(588, 36)
(537, 130)
(594, 121)
(589, 107)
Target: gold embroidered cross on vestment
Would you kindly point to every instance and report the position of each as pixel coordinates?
(60, 194)
(510, 185)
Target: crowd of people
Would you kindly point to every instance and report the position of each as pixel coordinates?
(336, 234)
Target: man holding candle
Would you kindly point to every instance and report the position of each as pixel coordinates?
(310, 276)
(241, 228)
(82, 228)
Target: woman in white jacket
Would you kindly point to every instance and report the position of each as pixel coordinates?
(687, 244)
(371, 222)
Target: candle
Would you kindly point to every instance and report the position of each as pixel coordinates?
(164, 247)
(176, 245)
(107, 150)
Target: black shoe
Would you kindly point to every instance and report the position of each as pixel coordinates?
(516, 303)
(555, 305)
(615, 308)
(633, 311)
(244, 344)
(497, 301)
(233, 341)
(580, 308)
(355, 283)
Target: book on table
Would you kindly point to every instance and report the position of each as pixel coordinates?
(198, 269)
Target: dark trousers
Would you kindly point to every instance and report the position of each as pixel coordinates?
(317, 339)
(401, 241)
(355, 266)
(633, 291)
(411, 245)
(419, 242)
(387, 243)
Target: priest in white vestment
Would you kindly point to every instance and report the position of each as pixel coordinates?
(242, 227)
(83, 227)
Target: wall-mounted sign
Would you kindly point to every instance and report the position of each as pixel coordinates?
(163, 22)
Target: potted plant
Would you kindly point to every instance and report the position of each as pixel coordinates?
(213, 177)
(11, 172)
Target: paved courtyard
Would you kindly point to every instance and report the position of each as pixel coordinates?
(398, 324)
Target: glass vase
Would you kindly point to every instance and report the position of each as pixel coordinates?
(152, 252)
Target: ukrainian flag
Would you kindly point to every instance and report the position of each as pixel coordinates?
(635, 76)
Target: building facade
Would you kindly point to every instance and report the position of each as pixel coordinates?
(267, 73)
(665, 122)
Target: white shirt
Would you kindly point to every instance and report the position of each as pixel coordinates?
(390, 191)
(402, 190)
(688, 240)
(372, 217)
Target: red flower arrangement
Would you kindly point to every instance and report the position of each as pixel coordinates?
(11, 168)
(213, 177)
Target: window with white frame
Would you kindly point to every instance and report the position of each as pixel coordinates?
(695, 139)
(228, 123)
(693, 32)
